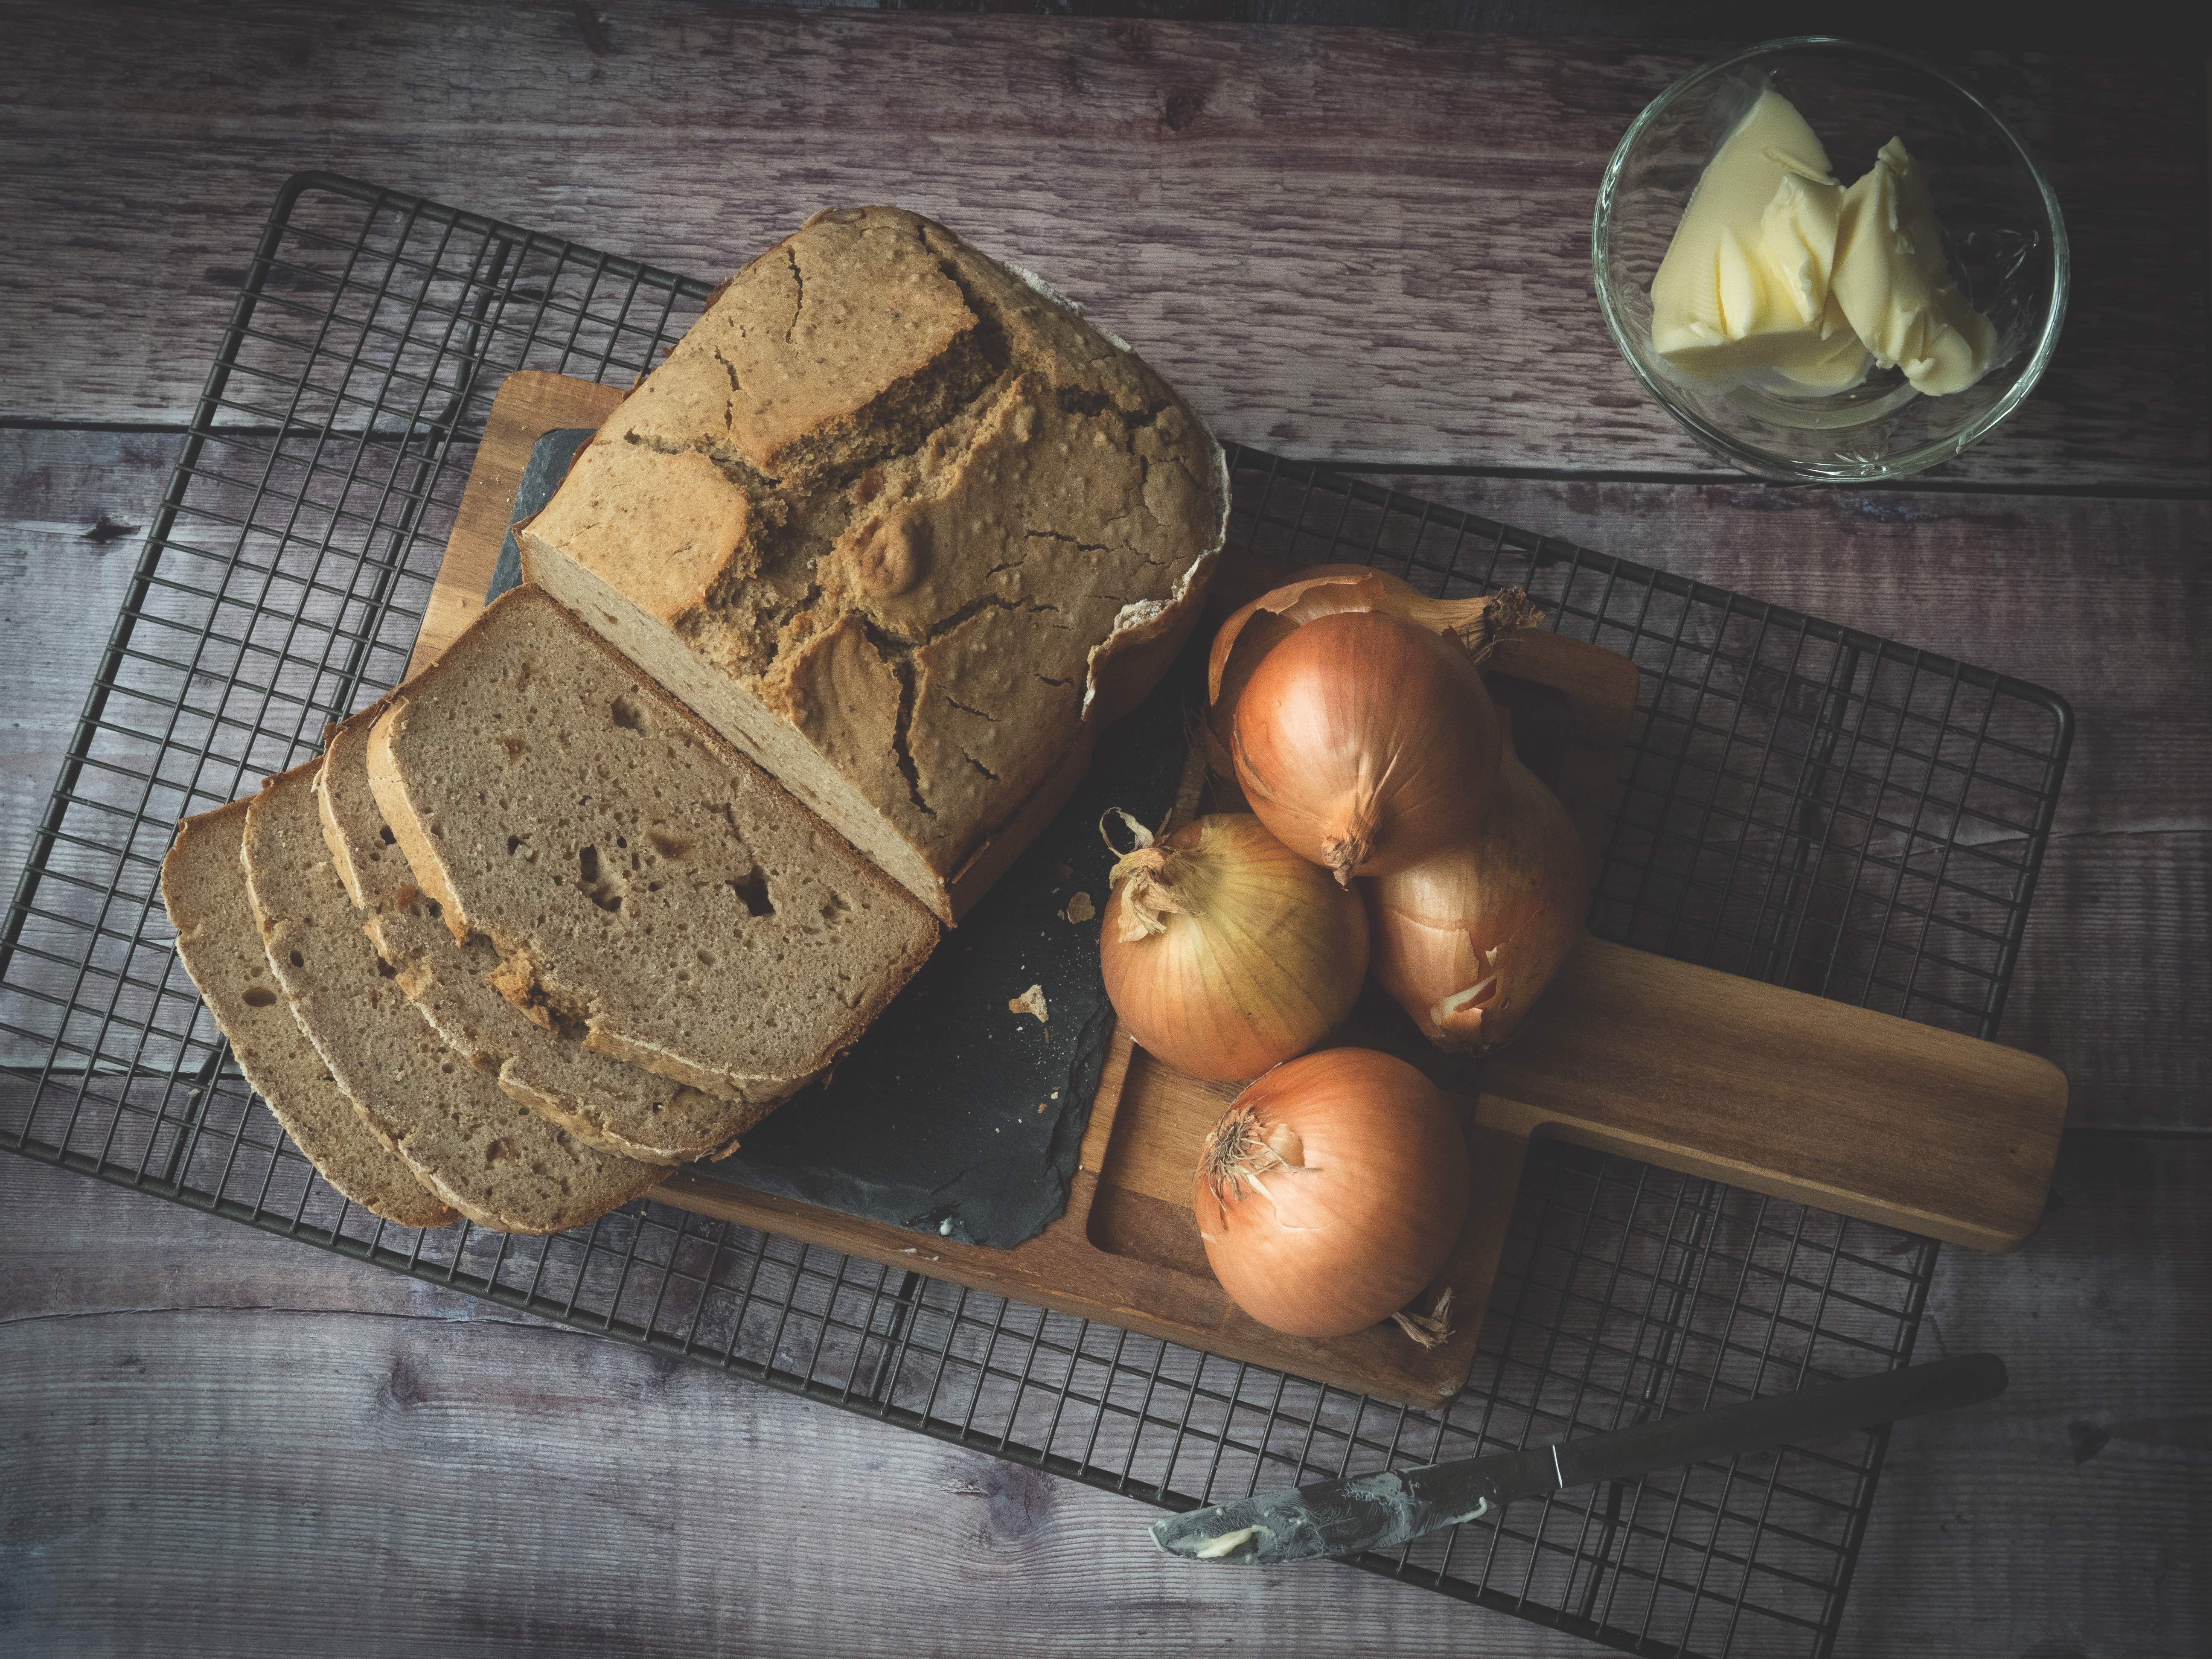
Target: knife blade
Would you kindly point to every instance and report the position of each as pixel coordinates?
(1388, 1508)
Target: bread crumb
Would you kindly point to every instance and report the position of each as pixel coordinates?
(1040, 1106)
(1080, 909)
(1030, 1001)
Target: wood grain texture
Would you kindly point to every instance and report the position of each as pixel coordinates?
(1360, 244)
(2103, 600)
(418, 1471)
(261, 1449)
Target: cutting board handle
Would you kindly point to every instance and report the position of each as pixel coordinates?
(1786, 1093)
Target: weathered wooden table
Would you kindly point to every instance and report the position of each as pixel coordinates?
(1364, 246)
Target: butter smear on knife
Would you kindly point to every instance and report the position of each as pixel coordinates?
(1777, 270)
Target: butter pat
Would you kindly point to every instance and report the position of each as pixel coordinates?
(1745, 283)
(1778, 273)
(1891, 281)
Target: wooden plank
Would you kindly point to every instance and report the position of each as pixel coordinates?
(327, 1434)
(2068, 1512)
(2113, 970)
(1364, 244)
(300, 1402)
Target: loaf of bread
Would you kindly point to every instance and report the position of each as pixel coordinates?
(482, 1153)
(604, 1101)
(204, 889)
(902, 527)
(645, 888)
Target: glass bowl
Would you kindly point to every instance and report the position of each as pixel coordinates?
(2002, 233)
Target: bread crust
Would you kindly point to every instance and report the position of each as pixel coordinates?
(974, 528)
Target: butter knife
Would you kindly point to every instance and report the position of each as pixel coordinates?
(1382, 1511)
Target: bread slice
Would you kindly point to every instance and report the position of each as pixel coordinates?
(604, 1101)
(479, 1150)
(903, 526)
(643, 884)
(204, 889)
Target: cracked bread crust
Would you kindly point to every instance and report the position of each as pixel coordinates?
(898, 522)
(604, 1101)
(643, 885)
(204, 890)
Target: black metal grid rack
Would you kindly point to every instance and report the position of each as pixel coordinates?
(1807, 804)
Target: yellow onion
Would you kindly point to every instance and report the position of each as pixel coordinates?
(1325, 590)
(1467, 940)
(1331, 1192)
(1225, 952)
(1366, 743)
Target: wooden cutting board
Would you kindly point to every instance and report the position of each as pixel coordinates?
(1768, 1089)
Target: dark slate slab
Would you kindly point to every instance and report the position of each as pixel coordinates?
(954, 1115)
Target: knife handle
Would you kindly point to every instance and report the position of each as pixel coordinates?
(1780, 1420)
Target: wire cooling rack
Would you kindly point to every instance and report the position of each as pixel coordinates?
(1806, 804)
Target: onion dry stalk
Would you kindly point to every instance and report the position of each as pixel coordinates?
(1367, 743)
(1225, 952)
(1332, 1193)
(1467, 940)
(1327, 590)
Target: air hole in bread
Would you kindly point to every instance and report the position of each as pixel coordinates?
(298, 961)
(260, 996)
(629, 713)
(838, 909)
(514, 743)
(605, 888)
(753, 890)
(384, 830)
(668, 846)
(514, 844)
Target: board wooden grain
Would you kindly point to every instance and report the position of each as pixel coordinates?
(1356, 244)
(291, 1395)
(2113, 970)
(1675, 1065)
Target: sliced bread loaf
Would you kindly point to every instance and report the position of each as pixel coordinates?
(603, 1101)
(902, 526)
(204, 889)
(482, 1153)
(643, 884)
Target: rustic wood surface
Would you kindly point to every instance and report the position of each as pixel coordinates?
(1366, 246)
(1362, 245)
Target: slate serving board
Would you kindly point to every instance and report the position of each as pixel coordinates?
(955, 1115)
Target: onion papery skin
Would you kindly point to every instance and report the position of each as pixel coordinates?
(1496, 914)
(1360, 1220)
(1366, 742)
(1260, 959)
(1328, 590)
